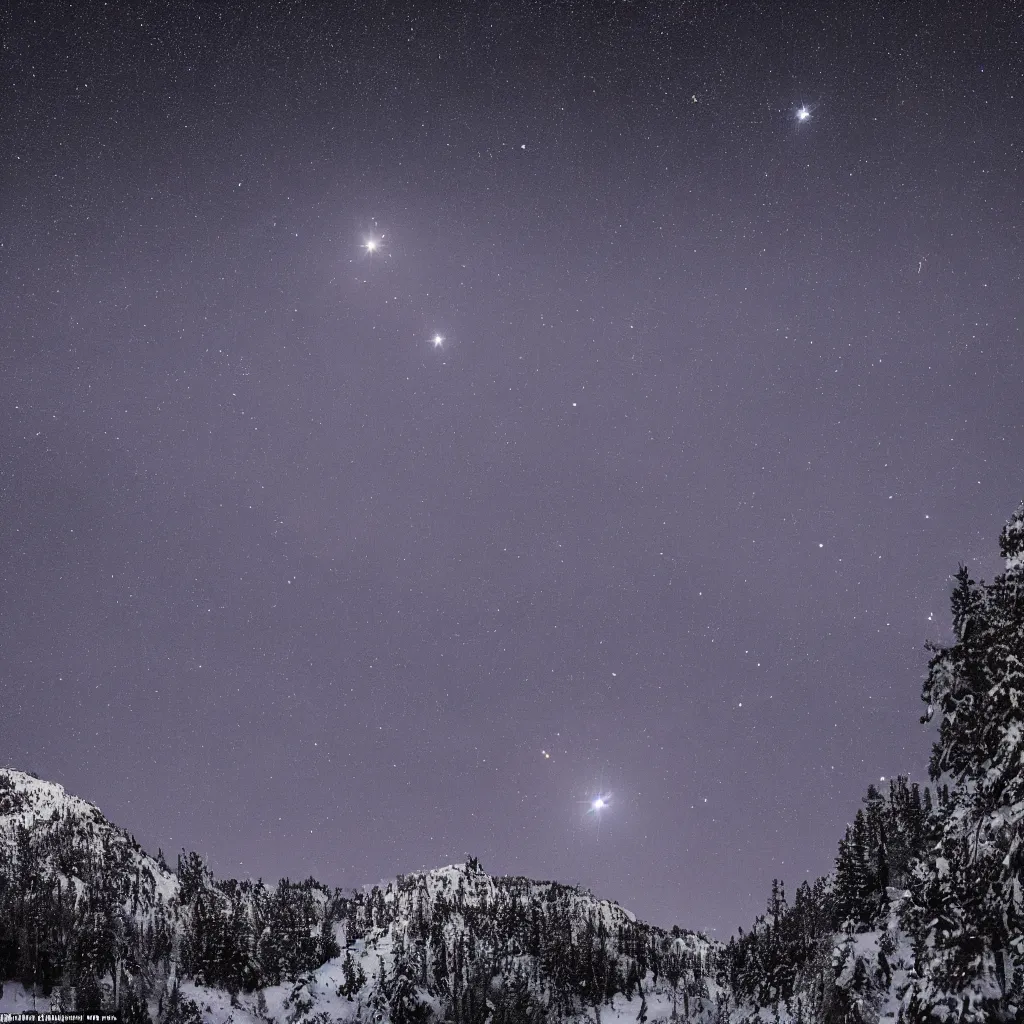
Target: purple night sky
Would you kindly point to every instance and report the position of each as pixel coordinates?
(725, 395)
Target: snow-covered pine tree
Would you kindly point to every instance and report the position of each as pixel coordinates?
(968, 907)
(852, 882)
(673, 968)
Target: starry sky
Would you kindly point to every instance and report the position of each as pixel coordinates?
(725, 394)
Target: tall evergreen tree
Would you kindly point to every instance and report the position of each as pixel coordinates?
(968, 907)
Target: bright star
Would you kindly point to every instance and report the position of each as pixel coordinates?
(598, 803)
(371, 245)
(437, 340)
(803, 114)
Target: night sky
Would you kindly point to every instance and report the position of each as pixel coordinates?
(725, 394)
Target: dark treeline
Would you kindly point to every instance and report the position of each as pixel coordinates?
(790, 955)
(936, 885)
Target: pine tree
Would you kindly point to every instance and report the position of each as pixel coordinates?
(180, 1010)
(673, 968)
(354, 978)
(514, 1003)
(968, 907)
(852, 884)
(193, 877)
(133, 1010)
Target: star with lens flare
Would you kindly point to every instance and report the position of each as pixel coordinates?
(437, 341)
(803, 114)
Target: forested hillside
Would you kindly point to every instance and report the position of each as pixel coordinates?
(923, 918)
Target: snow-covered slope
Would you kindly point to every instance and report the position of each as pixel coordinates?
(75, 839)
(25, 799)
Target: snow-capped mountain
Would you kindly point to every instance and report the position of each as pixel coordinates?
(77, 835)
(89, 920)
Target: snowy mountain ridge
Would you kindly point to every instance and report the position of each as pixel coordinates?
(28, 798)
(77, 829)
(453, 943)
